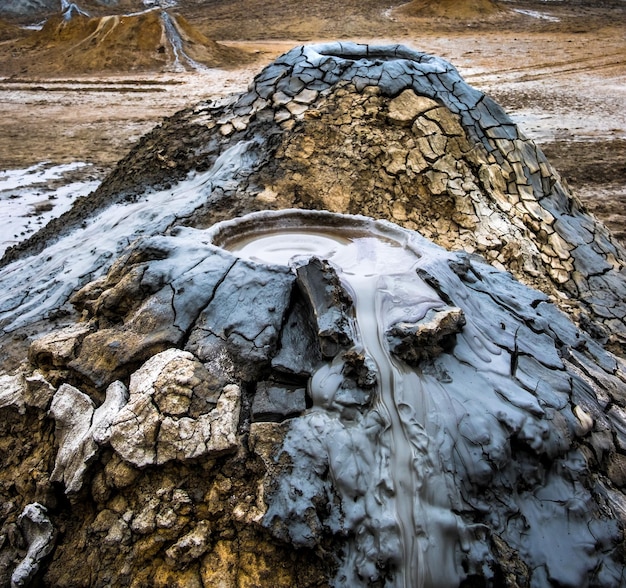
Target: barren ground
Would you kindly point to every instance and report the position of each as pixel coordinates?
(563, 81)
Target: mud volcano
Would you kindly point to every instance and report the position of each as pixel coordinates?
(213, 393)
(429, 395)
(153, 40)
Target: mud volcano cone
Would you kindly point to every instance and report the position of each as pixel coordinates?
(453, 9)
(351, 313)
(150, 41)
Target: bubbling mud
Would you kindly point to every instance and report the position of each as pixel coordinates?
(393, 471)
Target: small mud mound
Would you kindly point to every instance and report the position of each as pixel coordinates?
(463, 10)
(150, 41)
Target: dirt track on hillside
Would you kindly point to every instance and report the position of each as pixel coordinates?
(563, 82)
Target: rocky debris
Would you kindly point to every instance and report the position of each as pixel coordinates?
(413, 342)
(159, 423)
(29, 389)
(331, 305)
(505, 417)
(359, 368)
(79, 427)
(55, 351)
(12, 392)
(40, 535)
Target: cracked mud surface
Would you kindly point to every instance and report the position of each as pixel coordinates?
(555, 435)
(546, 421)
(561, 81)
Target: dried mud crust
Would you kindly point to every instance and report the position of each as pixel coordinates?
(77, 129)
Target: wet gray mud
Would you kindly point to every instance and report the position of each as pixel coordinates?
(462, 434)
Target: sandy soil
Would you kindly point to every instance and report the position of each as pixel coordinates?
(558, 68)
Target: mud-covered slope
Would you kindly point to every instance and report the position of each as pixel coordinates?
(393, 134)
(150, 40)
(386, 404)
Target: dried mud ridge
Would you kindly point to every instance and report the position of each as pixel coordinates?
(170, 432)
(153, 39)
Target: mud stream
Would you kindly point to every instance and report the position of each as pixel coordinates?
(379, 273)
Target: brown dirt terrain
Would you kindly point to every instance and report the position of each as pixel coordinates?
(9, 31)
(114, 43)
(464, 9)
(558, 68)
